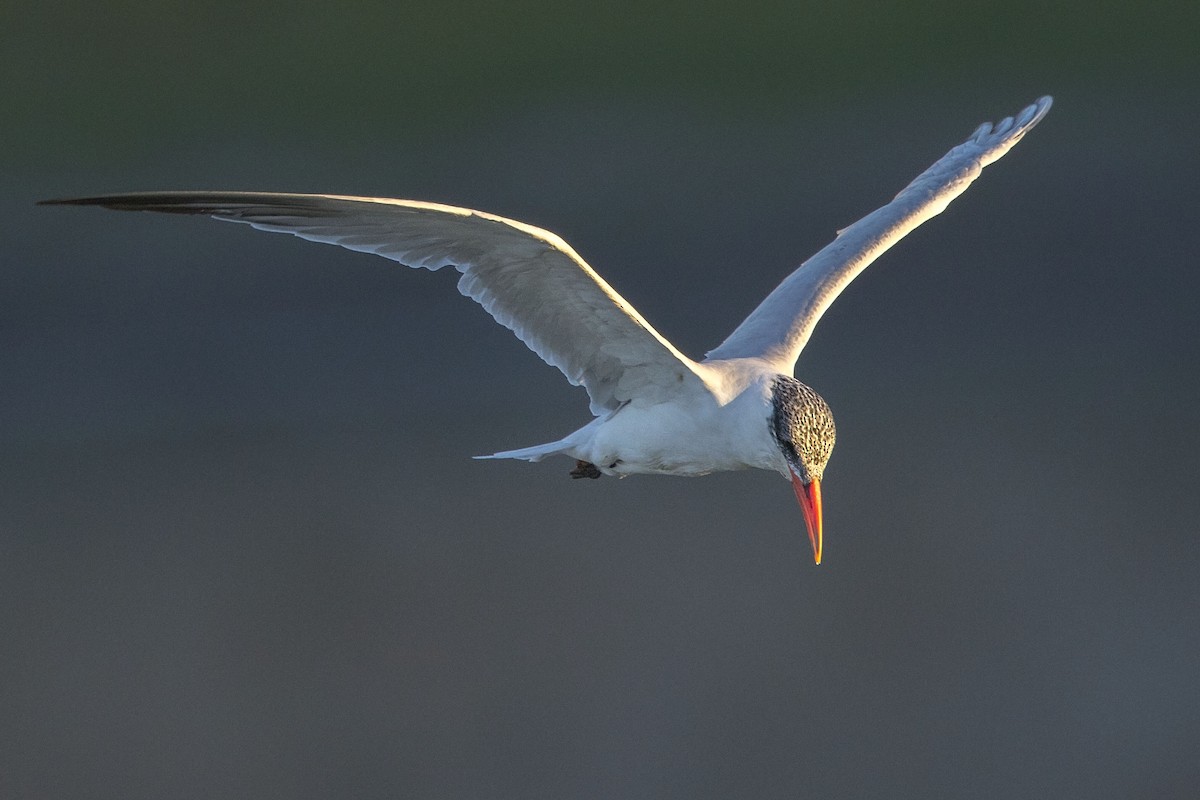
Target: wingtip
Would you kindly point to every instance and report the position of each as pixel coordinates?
(1009, 130)
(105, 200)
(1033, 113)
(166, 202)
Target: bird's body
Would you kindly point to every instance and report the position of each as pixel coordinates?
(697, 432)
(656, 410)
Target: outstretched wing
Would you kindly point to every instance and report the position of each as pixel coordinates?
(779, 328)
(528, 279)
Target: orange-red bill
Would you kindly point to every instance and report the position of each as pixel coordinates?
(810, 503)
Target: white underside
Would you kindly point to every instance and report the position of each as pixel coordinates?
(725, 428)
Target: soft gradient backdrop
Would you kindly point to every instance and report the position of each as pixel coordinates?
(244, 552)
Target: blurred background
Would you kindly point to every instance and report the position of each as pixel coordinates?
(244, 551)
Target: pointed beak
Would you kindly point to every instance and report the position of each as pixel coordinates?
(810, 503)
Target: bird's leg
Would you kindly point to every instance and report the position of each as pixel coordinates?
(584, 469)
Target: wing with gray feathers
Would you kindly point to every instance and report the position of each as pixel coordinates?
(780, 327)
(528, 279)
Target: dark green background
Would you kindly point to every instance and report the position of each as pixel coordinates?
(243, 549)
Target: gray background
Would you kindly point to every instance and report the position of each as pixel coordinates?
(244, 551)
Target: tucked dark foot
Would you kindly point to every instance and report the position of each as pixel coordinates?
(584, 469)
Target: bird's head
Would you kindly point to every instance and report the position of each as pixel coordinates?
(802, 426)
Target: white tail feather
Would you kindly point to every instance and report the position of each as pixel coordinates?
(535, 453)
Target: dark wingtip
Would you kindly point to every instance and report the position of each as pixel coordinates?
(169, 202)
(111, 201)
(195, 202)
(66, 201)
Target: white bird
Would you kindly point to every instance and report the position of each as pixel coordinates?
(656, 410)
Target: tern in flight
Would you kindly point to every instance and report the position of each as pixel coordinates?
(656, 410)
